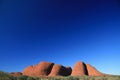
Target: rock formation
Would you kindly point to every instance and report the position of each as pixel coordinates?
(42, 69)
(79, 69)
(51, 69)
(93, 71)
(28, 71)
(59, 70)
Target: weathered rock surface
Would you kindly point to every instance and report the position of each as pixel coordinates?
(93, 71)
(28, 71)
(79, 69)
(59, 70)
(51, 69)
(42, 69)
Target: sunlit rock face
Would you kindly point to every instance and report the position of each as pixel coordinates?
(28, 71)
(93, 71)
(79, 69)
(42, 69)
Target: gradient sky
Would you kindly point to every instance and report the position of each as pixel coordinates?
(60, 31)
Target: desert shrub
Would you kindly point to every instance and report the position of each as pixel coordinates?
(30, 78)
(6, 76)
(22, 78)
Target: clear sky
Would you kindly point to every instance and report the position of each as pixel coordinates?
(60, 31)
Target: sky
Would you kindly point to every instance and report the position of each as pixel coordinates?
(60, 31)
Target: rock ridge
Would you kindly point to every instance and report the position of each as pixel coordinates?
(52, 69)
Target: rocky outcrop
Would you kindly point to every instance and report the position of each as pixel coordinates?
(42, 69)
(28, 71)
(51, 69)
(59, 70)
(93, 71)
(79, 69)
(16, 73)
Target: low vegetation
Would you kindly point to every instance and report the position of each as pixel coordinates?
(7, 76)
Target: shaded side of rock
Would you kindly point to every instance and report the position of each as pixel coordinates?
(79, 69)
(59, 70)
(68, 70)
(43, 69)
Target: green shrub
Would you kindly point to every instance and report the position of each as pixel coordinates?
(6, 76)
(22, 78)
(30, 78)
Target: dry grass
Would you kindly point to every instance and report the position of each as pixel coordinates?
(7, 76)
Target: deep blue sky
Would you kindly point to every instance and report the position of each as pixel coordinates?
(60, 31)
